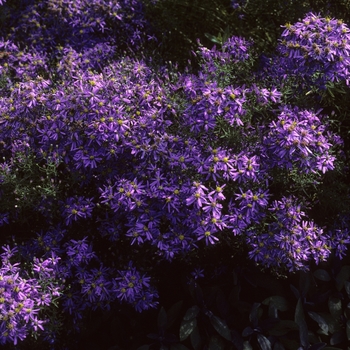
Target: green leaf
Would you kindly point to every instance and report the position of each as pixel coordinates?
(221, 327)
(347, 287)
(335, 307)
(338, 337)
(264, 343)
(214, 39)
(221, 303)
(191, 313)
(342, 276)
(280, 303)
(173, 313)
(178, 347)
(320, 320)
(322, 275)
(162, 318)
(234, 295)
(216, 343)
(254, 314)
(247, 346)
(283, 327)
(187, 327)
(143, 347)
(317, 346)
(300, 321)
(227, 34)
(247, 331)
(196, 339)
(304, 282)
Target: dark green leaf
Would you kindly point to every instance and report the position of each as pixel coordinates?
(304, 282)
(237, 340)
(283, 327)
(264, 343)
(213, 38)
(221, 327)
(227, 34)
(222, 304)
(322, 275)
(162, 318)
(143, 347)
(191, 313)
(247, 331)
(295, 291)
(278, 346)
(234, 295)
(254, 314)
(187, 328)
(317, 346)
(173, 313)
(154, 336)
(216, 343)
(178, 347)
(196, 339)
(342, 276)
(335, 307)
(338, 337)
(347, 287)
(300, 321)
(280, 303)
(247, 346)
(348, 329)
(320, 320)
(333, 324)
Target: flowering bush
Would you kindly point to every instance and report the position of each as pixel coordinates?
(113, 166)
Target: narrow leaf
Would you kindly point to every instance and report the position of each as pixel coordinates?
(320, 320)
(317, 346)
(264, 343)
(300, 320)
(187, 328)
(221, 327)
(213, 38)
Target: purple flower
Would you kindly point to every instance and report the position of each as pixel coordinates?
(76, 208)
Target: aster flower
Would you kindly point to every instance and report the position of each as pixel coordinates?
(317, 44)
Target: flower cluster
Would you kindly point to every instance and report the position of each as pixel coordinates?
(289, 241)
(136, 164)
(22, 297)
(317, 45)
(298, 137)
